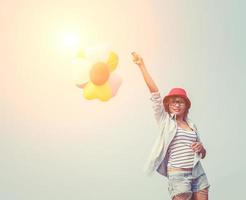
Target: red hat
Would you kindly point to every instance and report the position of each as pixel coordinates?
(178, 92)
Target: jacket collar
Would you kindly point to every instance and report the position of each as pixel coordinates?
(190, 123)
(173, 116)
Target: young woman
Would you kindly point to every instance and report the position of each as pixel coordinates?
(178, 149)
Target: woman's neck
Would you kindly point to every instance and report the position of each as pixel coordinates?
(180, 118)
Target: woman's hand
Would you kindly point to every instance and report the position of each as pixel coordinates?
(137, 59)
(198, 148)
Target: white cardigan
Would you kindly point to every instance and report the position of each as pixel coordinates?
(167, 129)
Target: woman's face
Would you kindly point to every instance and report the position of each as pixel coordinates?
(177, 105)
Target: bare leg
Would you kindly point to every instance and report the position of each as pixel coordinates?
(201, 195)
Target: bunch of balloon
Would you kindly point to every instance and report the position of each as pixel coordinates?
(103, 82)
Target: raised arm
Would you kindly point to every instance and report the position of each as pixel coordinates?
(158, 107)
(137, 59)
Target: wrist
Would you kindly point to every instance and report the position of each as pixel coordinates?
(141, 65)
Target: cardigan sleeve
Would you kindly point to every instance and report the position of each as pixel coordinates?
(158, 107)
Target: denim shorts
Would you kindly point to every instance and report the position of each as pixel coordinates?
(183, 182)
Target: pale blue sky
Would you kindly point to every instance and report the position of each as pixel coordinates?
(56, 145)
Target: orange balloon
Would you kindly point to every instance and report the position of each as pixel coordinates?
(99, 73)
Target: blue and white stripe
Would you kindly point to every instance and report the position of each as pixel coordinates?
(180, 152)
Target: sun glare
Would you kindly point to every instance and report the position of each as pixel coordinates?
(70, 40)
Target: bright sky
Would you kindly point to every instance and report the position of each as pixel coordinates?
(54, 144)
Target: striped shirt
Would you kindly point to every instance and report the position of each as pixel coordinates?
(180, 152)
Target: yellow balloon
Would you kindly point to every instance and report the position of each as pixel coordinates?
(102, 92)
(113, 60)
(89, 91)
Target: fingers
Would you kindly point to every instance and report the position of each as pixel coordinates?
(135, 55)
(198, 150)
(195, 144)
(136, 58)
(197, 147)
